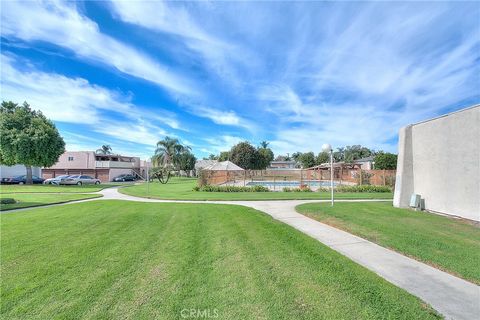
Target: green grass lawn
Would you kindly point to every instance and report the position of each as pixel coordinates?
(38, 199)
(46, 188)
(181, 189)
(446, 243)
(117, 259)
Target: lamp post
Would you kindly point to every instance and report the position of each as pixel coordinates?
(328, 148)
(148, 179)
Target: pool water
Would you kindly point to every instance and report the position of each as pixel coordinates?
(291, 184)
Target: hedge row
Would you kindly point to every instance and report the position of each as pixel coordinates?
(305, 189)
(209, 188)
(363, 188)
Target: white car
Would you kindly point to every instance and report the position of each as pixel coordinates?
(55, 180)
(79, 180)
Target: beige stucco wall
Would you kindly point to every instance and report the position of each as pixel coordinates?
(81, 160)
(440, 160)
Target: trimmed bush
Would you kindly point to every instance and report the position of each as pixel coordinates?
(209, 188)
(303, 189)
(363, 188)
(7, 201)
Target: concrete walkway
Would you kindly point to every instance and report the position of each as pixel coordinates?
(455, 298)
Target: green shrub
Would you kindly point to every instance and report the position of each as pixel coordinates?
(210, 188)
(323, 189)
(202, 178)
(302, 189)
(7, 201)
(362, 188)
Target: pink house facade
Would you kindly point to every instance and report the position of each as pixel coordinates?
(103, 167)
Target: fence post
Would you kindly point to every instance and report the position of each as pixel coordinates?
(384, 182)
(361, 178)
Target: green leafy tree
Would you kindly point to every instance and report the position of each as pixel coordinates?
(168, 152)
(186, 161)
(387, 161)
(105, 150)
(307, 159)
(212, 157)
(224, 156)
(323, 157)
(265, 156)
(296, 156)
(264, 144)
(28, 138)
(244, 155)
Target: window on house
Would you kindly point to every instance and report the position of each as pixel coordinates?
(70, 158)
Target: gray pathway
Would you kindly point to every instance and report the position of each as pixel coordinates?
(453, 297)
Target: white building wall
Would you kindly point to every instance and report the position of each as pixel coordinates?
(18, 170)
(439, 159)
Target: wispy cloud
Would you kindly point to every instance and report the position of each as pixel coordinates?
(295, 73)
(77, 101)
(218, 144)
(61, 24)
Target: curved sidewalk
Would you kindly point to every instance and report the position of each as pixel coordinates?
(453, 297)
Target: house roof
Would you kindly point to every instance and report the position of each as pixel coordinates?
(223, 166)
(200, 164)
(366, 159)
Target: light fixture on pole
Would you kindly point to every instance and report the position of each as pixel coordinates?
(328, 148)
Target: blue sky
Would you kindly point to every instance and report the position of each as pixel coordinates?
(297, 74)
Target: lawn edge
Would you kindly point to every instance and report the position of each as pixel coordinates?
(95, 196)
(431, 264)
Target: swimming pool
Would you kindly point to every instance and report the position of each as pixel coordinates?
(291, 184)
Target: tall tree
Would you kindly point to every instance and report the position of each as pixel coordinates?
(323, 157)
(265, 155)
(387, 161)
(307, 159)
(224, 156)
(105, 150)
(244, 155)
(28, 138)
(264, 144)
(167, 152)
(186, 161)
(296, 156)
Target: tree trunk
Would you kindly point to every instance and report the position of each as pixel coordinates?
(29, 174)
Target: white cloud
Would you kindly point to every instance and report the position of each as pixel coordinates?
(61, 24)
(77, 101)
(220, 143)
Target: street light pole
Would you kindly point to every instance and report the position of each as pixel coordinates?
(331, 174)
(328, 148)
(148, 179)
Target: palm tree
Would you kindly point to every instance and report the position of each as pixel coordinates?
(105, 149)
(264, 144)
(168, 152)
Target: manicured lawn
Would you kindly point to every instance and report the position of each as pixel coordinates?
(37, 199)
(181, 189)
(42, 188)
(116, 259)
(449, 244)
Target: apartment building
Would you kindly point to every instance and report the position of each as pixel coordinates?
(100, 166)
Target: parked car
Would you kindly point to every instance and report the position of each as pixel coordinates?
(79, 180)
(124, 177)
(55, 180)
(21, 180)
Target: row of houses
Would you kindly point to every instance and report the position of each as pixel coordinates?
(100, 166)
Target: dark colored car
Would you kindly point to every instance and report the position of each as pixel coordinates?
(21, 180)
(124, 177)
